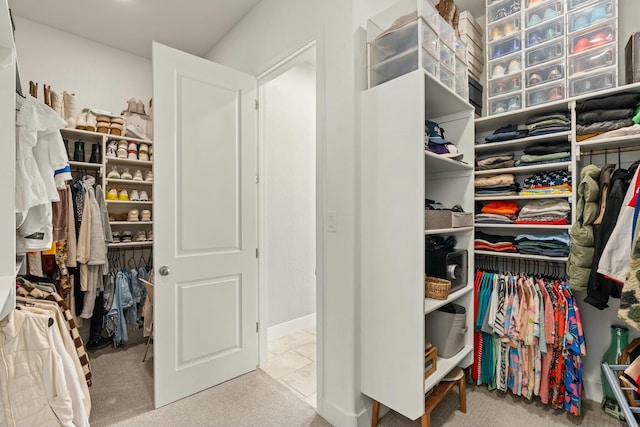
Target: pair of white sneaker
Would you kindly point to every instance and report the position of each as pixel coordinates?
(139, 197)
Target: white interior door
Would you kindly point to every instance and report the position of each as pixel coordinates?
(205, 307)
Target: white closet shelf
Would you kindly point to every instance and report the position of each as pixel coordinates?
(130, 162)
(435, 163)
(127, 181)
(448, 230)
(525, 170)
(434, 304)
(490, 123)
(130, 222)
(129, 202)
(447, 101)
(522, 256)
(515, 144)
(85, 165)
(97, 136)
(444, 366)
(129, 244)
(616, 142)
(525, 226)
(540, 196)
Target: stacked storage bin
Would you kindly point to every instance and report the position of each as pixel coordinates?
(411, 35)
(592, 45)
(471, 34)
(504, 56)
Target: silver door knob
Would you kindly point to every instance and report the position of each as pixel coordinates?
(164, 270)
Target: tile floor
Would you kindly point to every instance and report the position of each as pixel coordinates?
(292, 361)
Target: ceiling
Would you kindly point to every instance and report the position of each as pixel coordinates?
(194, 26)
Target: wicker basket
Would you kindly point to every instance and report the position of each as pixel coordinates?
(436, 288)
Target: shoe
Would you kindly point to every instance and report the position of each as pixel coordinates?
(148, 176)
(134, 197)
(69, 107)
(132, 151)
(137, 175)
(112, 148)
(91, 122)
(122, 150)
(145, 215)
(115, 129)
(96, 154)
(123, 194)
(125, 174)
(133, 215)
(113, 173)
(126, 237)
(143, 196)
(102, 126)
(498, 71)
(78, 151)
(132, 105)
(143, 151)
(56, 104)
(140, 107)
(115, 236)
(96, 344)
(149, 235)
(112, 194)
(140, 236)
(143, 156)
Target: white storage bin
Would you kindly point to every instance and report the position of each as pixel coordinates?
(430, 39)
(586, 17)
(461, 69)
(447, 58)
(446, 77)
(446, 33)
(505, 85)
(503, 67)
(547, 93)
(593, 59)
(587, 83)
(462, 87)
(393, 67)
(430, 63)
(504, 28)
(544, 33)
(547, 52)
(592, 38)
(461, 50)
(445, 328)
(505, 47)
(391, 43)
(547, 11)
(508, 103)
(545, 74)
(501, 9)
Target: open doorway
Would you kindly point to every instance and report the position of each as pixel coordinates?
(287, 223)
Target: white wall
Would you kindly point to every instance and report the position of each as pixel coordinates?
(290, 190)
(270, 32)
(101, 77)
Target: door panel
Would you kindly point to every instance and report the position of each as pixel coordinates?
(205, 309)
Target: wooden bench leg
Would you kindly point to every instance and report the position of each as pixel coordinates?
(462, 391)
(376, 411)
(426, 419)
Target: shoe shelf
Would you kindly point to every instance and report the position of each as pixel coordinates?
(127, 181)
(130, 162)
(515, 144)
(128, 138)
(522, 256)
(130, 244)
(525, 226)
(522, 170)
(129, 202)
(97, 136)
(448, 230)
(130, 223)
(84, 165)
(516, 197)
(445, 365)
(434, 304)
(436, 163)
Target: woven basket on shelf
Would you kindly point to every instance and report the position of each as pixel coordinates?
(436, 288)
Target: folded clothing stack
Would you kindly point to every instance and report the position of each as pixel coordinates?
(553, 245)
(495, 162)
(496, 185)
(599, 115)
(545, 211)
(498, 212)
(545, 152)
(507, 133)
(495, 243)
(547, 182)
(549, 123)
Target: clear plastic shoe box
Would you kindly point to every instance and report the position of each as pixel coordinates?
(505, 66)
(593, 59)
(504, 47)
(447, 57)
(551, 92)
(499, 10)
(504, 104)
(544, 33)
(544, 74)
(583, 18)
(504, 28)
(505, 85)
(447, 77)
(592, 82)
(573, 4)
(546, 52)
(430, 63)
(545, 12)
(592, 37)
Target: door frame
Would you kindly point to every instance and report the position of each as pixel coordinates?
(271, 73)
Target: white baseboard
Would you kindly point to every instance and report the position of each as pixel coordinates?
(337, 416)
(286, 328)
(592, 390)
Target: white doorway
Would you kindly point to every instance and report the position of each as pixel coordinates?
(287, 222)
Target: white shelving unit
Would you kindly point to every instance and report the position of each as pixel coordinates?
(397, 176)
